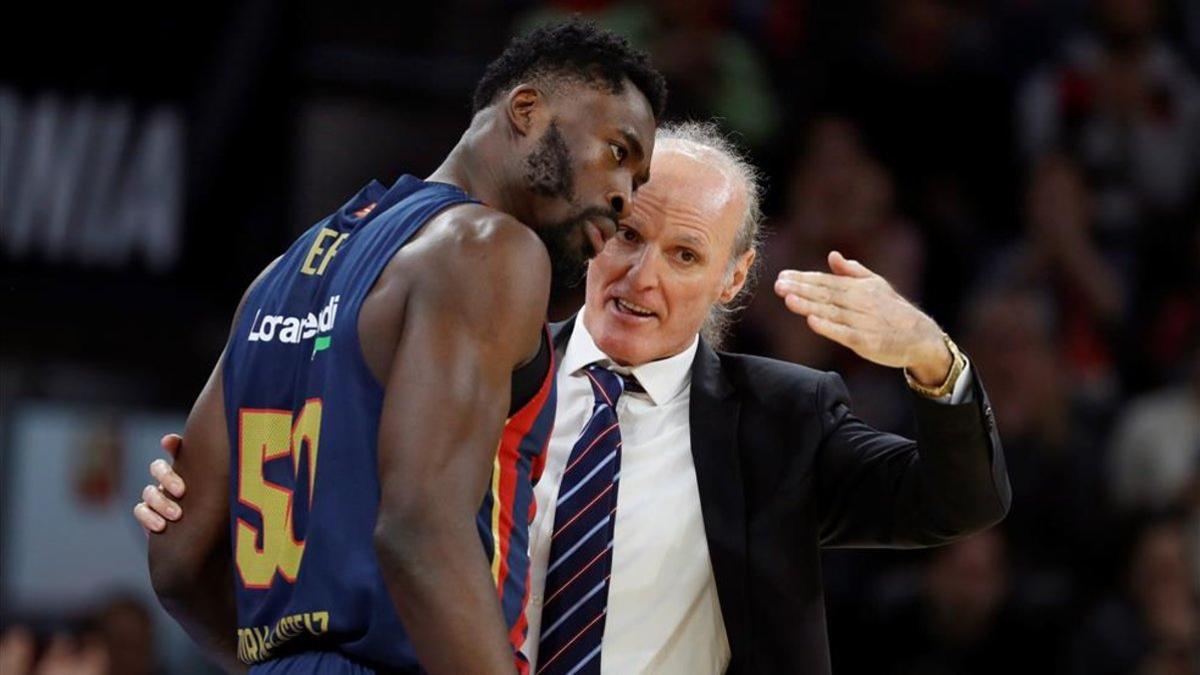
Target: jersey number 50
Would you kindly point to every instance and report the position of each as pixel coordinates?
(266, 435)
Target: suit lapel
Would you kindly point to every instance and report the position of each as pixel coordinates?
(714, 418)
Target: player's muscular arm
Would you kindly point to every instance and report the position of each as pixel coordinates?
(474, 314)
(190, 563)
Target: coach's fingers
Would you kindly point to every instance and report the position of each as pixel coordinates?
(154, 497)
(853, 300)
(839, 264)
(150, 521)
(785, 287)
(824, 279)
(831, 312)
(171, 444)
(840, 333)
(165, 474)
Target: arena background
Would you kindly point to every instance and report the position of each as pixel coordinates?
(1026, 170)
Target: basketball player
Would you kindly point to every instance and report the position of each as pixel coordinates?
(387, 388)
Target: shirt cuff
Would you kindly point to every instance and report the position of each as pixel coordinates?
(962, 392)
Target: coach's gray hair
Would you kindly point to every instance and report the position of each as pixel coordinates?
(708, 136)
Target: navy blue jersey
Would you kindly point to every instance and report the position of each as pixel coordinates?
(303, 407)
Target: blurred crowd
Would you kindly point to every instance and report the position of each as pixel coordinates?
(117, 637)
(1040, 198)
(1028, 172)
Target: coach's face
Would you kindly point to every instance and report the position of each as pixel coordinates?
(651, 288)
(589, 149)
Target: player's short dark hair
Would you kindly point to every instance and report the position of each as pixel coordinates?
(573, 49)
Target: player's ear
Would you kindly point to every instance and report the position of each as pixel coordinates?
(524, 104)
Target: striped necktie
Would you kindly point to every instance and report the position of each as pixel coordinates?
(581, 546)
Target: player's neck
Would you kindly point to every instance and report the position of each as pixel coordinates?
(477, 166)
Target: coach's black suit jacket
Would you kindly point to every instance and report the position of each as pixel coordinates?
(784, 469)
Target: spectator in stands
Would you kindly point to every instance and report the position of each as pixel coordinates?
(1122, 100)
(1155, 456)
(1085, 284)
(1153, 627)
(1059, 530)
(1154, 460)
(962, 618)
(128, 635)
(65, 654)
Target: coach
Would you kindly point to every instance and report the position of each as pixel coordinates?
(687, 492)
(747, 463)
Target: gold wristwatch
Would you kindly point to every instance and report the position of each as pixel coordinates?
(956, 369)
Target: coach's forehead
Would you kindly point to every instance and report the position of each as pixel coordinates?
(684, 175)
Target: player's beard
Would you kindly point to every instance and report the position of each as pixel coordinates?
(549, 174)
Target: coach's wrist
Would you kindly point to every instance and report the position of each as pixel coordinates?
(936, 375)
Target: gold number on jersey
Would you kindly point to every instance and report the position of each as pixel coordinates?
(266, 435)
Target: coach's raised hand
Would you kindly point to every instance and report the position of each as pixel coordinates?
(860, 310)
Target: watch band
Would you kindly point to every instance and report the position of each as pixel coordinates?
(956, 368)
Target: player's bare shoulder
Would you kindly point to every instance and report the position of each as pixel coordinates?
(480, 253)
(481, 241)
(469, 260)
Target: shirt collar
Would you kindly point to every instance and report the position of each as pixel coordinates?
(663, 379)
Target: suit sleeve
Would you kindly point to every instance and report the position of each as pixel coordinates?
(879, 489)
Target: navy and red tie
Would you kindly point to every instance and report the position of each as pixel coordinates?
(580, 563)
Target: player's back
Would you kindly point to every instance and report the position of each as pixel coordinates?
(303, 406)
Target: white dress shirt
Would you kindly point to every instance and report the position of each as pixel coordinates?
(663, 612)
